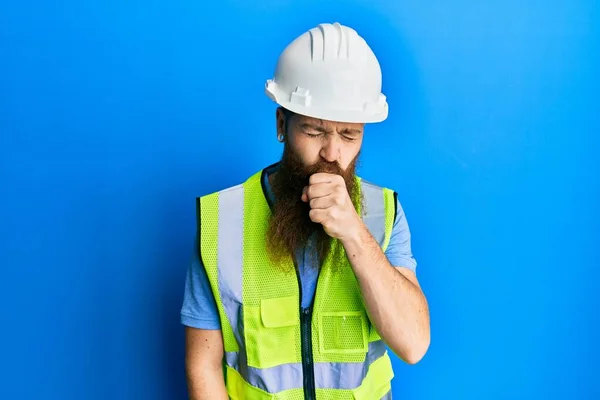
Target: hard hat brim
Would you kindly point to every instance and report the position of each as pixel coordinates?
(331, 114)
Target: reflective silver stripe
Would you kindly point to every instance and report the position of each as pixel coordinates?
(347, 375)
(327, 375)
(375, 210)
(388, 396)
(229, 256)
(275, 379)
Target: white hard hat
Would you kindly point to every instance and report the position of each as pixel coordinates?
(329, 73)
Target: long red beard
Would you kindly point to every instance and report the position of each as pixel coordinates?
(290, 226)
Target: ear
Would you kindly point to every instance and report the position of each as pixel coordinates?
(280, 121)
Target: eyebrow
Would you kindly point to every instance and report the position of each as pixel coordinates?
(352, 131)
(318, 128)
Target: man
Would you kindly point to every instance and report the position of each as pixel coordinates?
(303, 275)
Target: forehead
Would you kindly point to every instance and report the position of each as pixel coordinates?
(328, 125)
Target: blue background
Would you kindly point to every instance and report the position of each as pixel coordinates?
(114, 115)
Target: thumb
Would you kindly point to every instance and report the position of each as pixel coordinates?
(304, 196)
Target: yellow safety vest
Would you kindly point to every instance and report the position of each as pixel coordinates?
(275, 349)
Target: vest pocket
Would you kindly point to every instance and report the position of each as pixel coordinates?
(272, 332)
(279, 312)
(343, 332)
(378, 380)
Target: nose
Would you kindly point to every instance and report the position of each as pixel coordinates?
(331, 149)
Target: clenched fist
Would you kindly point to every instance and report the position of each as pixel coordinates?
(331, 205)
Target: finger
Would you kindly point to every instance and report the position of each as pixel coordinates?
(323, 202)
(304, 196)
(319, 190)
(322, 177)
(318, 216)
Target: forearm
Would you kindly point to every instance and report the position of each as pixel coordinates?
(395, 305)
(205, 383)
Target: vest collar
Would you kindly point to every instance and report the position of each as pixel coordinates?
(266, 172)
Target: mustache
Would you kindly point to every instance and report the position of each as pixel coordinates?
(332, 167)
(294, 170)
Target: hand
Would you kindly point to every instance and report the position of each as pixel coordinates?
(331, 205)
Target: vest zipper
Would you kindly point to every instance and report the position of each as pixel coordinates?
(308, 371)
(307, 356)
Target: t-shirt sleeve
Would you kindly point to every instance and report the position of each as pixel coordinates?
(199, 308)
(399, 252)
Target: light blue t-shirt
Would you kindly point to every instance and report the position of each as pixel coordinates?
(199, 309)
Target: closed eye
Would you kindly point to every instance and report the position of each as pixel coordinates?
(350, 135)
(312, 130)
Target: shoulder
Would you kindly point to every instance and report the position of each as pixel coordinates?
(257, 179)
(232, 189)
(254, 179)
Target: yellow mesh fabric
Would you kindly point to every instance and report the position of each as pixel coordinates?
(389, 216)
(340, 327)
(335, 394)
(338, 303)
(239, 389)
(209, 232)
(338, 394)
(389, 224)
(358, 199)
(292, 394)
(377, 382)
(280, 342)
(339, 332)
(338, 295)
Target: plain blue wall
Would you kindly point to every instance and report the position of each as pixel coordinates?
(114, 115)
